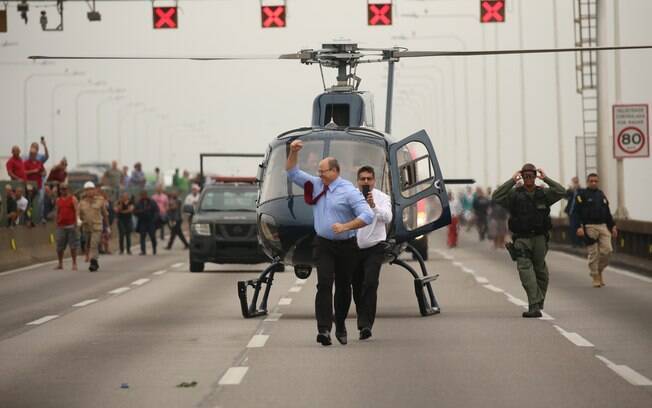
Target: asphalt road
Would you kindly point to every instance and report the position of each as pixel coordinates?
(130, 334)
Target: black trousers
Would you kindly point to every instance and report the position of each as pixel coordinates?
(365, 284)
(145, 230)
(335, 264)
(124, 230)
(175, 231)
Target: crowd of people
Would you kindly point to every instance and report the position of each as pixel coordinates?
(85, 221)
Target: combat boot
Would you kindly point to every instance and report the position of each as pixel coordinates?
(596, 281)
(533, 311)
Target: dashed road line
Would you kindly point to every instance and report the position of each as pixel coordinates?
(458, 264)
(481, 279)
(258, 341)
(119, 291)
(574, 338)
(468, 270)
(629, 374)
(140, 282)
(177, 265)
(546, 316)
(295, 289)
(42, 320)
(159, 273)
(85, 303)
(300, 281)
(273, 317)
(285, 301)
(515, 300)
(233, 376)
(493, 288)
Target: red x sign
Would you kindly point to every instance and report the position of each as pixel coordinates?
(165, 17)
(273, 16)
(379, 14)
(492, 11)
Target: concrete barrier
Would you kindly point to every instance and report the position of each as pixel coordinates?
(22, 246)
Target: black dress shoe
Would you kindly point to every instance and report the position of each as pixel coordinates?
(533, 311)
(365, 333)
(324, 338)
(341, 337)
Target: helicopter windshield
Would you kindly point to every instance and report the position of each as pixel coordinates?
(351, 155)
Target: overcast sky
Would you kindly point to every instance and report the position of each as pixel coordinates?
(484, 119)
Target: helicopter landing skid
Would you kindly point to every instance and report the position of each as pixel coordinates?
(265, 278)
(422, 285)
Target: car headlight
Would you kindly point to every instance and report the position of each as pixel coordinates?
(201, 229)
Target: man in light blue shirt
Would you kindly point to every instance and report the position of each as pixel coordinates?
(338, 210)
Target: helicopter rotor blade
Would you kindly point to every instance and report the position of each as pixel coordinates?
(217, 58)
(417, 54)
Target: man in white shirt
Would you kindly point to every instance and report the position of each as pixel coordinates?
(371, 254)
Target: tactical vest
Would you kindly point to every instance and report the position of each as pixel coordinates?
(529, 216)
(594, 207)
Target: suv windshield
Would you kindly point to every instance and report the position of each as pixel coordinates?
(229, 200)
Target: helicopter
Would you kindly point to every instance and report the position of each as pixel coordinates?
(343, 126)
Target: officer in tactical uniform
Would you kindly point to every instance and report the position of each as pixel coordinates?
(596, 226)
(529, 222)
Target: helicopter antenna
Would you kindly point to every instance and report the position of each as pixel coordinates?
(323, 81)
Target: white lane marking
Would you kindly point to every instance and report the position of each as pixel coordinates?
(515, 300)
(177, 265)
(295, 289)
(258, 341)
(119, 291)
(300, 281)
(42, 320)
(481, 279)
(273, 317)
(493, 288)
(233, 376)
(458, 264)
(609, 268)
(448, 257)
(629, 374)
(27, 268)
(85, 303)
(285, 301)
(161, 272)
(469, 270)
(140, 282)
(574, 338)
(546, 316)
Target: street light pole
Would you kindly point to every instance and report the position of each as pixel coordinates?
(25, 94)
(98, 117)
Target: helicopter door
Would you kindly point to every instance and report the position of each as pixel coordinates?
(418, 190)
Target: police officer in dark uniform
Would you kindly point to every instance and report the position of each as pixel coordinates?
(529, 222)
(596, 226)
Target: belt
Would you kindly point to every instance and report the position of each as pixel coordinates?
(339, 241)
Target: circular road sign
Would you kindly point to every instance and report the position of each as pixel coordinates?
(631, 140)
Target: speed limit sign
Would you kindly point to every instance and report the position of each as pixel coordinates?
(631, 131)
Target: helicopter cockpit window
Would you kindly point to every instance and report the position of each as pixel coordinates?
(339, 113)
(275, 184)
(415, 168)
(354, 154)
(422, 212)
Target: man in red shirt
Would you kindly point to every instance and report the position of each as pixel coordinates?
(66, 233)
(34, 169)
(58, 173)
(15, 167)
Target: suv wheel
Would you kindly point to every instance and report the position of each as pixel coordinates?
(196, 266)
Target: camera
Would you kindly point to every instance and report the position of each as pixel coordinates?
(365, 191)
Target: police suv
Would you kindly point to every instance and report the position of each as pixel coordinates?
(223, 228)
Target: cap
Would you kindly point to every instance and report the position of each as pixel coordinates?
(89, 184)
(528, 167)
